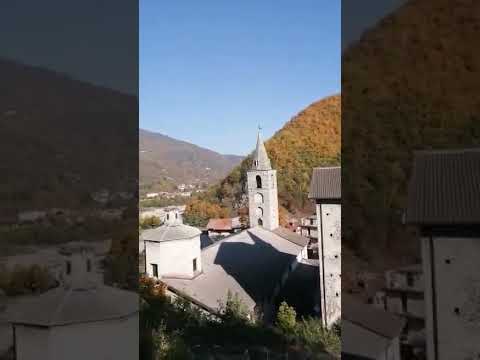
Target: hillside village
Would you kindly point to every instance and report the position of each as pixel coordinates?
(208, 266)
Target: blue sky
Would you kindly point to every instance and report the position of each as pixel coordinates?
(212, 71)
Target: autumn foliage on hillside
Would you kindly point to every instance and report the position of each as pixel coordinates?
(410, 83)
(198, 212)
(310, 139)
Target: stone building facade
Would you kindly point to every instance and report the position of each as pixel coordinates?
(262, 190)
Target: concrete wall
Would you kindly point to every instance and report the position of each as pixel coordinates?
(330, 248)
(174, 258)
(115, 339)
(452, 294)
(270, 198)
(362, 342)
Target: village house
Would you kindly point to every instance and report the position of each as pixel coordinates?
(81, 319)
(325, 190)
(403, 295)
(223, 227)
(205, 275)
(444, 203)
(369, 333)
(309, 229)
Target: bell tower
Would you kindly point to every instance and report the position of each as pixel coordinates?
(262, 190)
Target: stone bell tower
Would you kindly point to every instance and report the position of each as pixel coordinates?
(262, 190)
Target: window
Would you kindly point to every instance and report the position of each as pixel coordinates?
(258, 198)
(410, 279)
(260, 222)
(259, 182)
(311, 221)
(69, 267)
(176, 215)
(89, 265)
(259, 212)
(155, 270)
(168, 216)
(194, 265)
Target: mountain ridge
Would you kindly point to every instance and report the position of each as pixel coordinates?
(166, 161)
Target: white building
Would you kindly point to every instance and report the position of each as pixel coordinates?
(262, 190)
(444, 202)
(81, 319)
(370, 333)
(325, 189)
(173, 249)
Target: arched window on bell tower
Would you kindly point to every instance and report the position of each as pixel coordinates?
(259, 182)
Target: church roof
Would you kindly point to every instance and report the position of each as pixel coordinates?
(61, 306)
(291, 236)
(445, 188)
(250, 263)
(326, 183)
(170, 232)
(261, 161)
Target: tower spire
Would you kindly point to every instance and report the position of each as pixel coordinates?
(261, 160)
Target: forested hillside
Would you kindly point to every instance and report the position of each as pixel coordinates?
(310, 139)
(410, 83)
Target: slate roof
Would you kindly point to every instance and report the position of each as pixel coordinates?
(326, 183)
(291, 236)
(249, 263)
(260, 156)
(61, 306)
(368, 317)
(170, 232)
(445, 188)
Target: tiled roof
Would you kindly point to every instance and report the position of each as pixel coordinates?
(445, 188)
(220, 224)
(326, 183)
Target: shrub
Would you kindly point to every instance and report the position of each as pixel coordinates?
(311, 334)
(234, 311)
(286, 318)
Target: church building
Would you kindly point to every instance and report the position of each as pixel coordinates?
(262, 190)
(254, 264)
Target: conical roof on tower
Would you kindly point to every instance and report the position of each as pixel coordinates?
(261, 161)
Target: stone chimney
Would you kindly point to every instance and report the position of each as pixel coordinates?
(173, 218)
(79, 267)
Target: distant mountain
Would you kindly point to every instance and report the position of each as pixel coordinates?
(166, 162)
(62, 139)
(310, 139)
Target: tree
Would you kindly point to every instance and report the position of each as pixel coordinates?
(198, 212)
